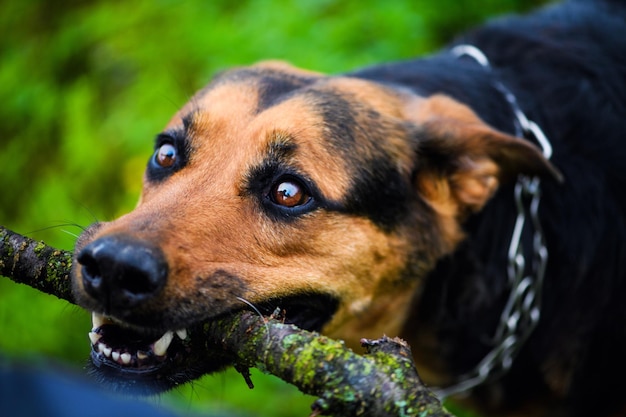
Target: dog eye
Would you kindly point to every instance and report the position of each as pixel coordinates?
(166, 155)
(289, 193)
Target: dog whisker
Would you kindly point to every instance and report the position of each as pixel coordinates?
(64, 224)
(74, 235)
(267, 327)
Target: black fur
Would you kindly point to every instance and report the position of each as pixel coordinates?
(379, 191)
(566, 65)
(275, 87)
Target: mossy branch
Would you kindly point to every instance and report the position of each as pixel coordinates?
(383, 382)
(31, 262)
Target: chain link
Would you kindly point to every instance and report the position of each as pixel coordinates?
(522, 310)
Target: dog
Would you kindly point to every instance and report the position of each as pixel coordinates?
(471, 202)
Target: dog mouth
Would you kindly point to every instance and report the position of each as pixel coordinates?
(139, 361)
(127, 358)
(115, 344)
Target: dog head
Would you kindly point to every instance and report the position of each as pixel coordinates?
(329, 197)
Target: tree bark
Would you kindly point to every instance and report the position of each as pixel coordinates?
(31, 262)
(383, 382)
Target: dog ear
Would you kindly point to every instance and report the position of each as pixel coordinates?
(462, 160)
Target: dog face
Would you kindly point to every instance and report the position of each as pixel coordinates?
(329, 197)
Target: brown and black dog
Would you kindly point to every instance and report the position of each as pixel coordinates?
(382, 202)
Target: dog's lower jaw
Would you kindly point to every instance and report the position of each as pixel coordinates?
(155, 381)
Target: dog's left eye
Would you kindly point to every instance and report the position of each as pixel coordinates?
(165, 155)
(289, 193)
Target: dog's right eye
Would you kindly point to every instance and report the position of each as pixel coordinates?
(165, 155)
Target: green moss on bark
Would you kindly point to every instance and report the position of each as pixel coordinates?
(35, 264)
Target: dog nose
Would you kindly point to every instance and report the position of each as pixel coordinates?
(121, 272)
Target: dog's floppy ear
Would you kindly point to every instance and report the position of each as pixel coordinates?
(462, 160)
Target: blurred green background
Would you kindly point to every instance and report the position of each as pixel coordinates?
(86, 85)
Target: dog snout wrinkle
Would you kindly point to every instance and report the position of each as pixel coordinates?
(120, 272)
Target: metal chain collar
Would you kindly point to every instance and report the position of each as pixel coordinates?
(523, 307)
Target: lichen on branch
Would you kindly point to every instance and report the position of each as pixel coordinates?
(383, 382)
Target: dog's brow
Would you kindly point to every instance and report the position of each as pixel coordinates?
(183, 134)
(188, 120)
(176, 135)
(192, 121)
(280, 146)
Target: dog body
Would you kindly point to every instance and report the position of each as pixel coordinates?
(381, 202)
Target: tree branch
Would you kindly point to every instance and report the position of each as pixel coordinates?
(383, 382)
(31, 262)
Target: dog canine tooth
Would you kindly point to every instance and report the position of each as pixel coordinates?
(97, 320)
(107, 351)
(94, 337)
(182, 334)
(160, 346)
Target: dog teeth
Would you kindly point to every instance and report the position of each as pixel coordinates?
(138, 358)
(94, 337)
(105, 350)
(97, 320)
(160, 346)
(125, 358)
